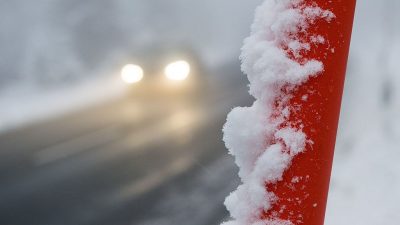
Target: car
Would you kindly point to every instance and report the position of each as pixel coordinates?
(166, 71)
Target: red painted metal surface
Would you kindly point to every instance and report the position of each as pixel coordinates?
(303, 191)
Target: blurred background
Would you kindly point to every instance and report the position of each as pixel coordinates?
(111, 112)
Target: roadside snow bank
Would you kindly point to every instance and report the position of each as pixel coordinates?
(366, 171)
(261, 137)
(24, 105)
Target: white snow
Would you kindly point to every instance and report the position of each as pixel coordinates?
(365, 185)
(366, 174)
(260, 137)
(27, 104)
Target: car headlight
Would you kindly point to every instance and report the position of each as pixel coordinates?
(177, 71)
(132, 73)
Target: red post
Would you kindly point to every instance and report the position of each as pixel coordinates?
(303, 191)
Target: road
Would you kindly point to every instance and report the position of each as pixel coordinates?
(131, 161)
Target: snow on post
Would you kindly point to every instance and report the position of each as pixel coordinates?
(295, 60)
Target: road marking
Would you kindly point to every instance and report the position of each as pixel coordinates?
(75, 146)
(147, 183)
(78, 145)
(177, 121)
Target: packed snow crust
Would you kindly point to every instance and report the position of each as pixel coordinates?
(261, 137)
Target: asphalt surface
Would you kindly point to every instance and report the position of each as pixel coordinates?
(131, 161)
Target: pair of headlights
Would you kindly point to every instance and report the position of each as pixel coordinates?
(176, 71)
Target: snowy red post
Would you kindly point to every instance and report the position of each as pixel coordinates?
(295, 59)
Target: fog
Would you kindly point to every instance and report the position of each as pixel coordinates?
(47, 43)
